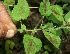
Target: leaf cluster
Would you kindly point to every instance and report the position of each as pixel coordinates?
(9, 46)
(52, 30)
(57, 21)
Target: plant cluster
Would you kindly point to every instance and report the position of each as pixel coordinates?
(57, 21)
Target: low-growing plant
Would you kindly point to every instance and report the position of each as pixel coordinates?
(9, 46)
(57, 21)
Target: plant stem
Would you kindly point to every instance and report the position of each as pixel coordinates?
(39, 22)
(37, 25)
(33, 7)
(62, 28)
(34, 30)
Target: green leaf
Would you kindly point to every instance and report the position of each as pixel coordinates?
(57, 9)
(7, 45)
(31, 44)
(23, 27)
(54, 39)
(66, 31)
(54, 19)
(46, 52)
(67, 17)
(9, 52)
(9, 3)
(57, 14)
(20, 11)
(45, 8)
(48, 47)
(12, 44)
(58, 17)
(65, 5)
(58, 32)
(51, 28)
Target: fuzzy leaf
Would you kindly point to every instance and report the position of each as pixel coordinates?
(58, 32)
(55, 40)
(23, 27)
(7, 45)
(45, 8)
(20, 11)
(9, 3)
(12, 44)
(53, 19)
(31, 44)
(57, 14)
(57, 9)
(58, 17)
